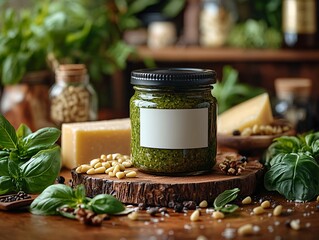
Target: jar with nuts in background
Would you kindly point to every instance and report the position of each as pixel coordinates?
(73, 99)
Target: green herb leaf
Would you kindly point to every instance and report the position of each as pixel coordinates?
(6, 185)
(229, 208)
(104, 203)
(8, 137)
(4, 171)
(52, 198)
(41, 170)
(13, 169)
(23, 131)
(225, 197)
(296, 177)
(44, 138)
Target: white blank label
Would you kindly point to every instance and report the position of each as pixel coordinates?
(174, 128)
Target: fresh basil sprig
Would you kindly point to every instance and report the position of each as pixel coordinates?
(57, 196)
(28, 161)
(293, 166)
(221, 202)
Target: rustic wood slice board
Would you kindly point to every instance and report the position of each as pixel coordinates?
(160, 190)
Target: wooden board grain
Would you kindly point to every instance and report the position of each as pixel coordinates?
(160, 190)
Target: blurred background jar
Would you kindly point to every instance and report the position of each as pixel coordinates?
(294, 102)
(299, 23)
(28, 101)
(161, 34)
(216, 19)
(72, 97)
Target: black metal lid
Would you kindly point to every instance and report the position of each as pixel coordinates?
(173, 77)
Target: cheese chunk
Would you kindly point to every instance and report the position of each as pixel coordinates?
(82, 142)
(256, 110)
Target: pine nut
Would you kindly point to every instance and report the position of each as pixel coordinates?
(131, 174)
(90, 171)
(246, 200)
(195, 216)
(111, 174)
(203, 204)
(120, 175)
(127, 164)
(103, 157)
(99, 164)
(106, 165)
(78, 169)
(318, 198)
(100, 170)
(218, 215)
(277, 211)
(85, 168)
(122, 168)
(94, 161)
(116, 169)
(258, 210)
(133, 216)
(109, 157)
(265, 204)
(110, 169)
(245, 230)
(295, 224)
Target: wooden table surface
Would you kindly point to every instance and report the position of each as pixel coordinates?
(23, 225)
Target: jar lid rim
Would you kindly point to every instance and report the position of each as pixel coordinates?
(173, 77)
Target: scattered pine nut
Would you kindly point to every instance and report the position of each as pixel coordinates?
(278, 210)
(245, 230)
(258, 210)
(265, 204)
(318, 198)
(99, 170)
(120, 175)
(295, 224)
(131, 174)
(203, 204)
(133, 216)
(246, 200)
(218, 215)
(94, 161)
(90, 171)
(195, 216)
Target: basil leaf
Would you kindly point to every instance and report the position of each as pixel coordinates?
(52, 198)
(41, 170)
(229, 208)
(4, 171)
(296, 177)
(8, 137)
(225, 197)
(105, 203)
(13, 169)
(23, 131)
(6, 185)
(4, 154)
(79, 193)
(42, 139)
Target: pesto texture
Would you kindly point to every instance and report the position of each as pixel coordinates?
(173, 161)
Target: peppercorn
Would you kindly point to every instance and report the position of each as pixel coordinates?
(190, 205)
(60, 179)
(178, 207)
(236, 132)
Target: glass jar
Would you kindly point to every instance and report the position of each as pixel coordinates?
(28, 101)
(216, 20)
(173, 121)
(73, 99)
(294, 102)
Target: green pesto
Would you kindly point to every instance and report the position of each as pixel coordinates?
(173, 161)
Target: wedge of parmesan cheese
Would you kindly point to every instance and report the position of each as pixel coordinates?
(82, 142)
(256, 110)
